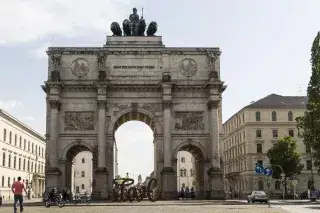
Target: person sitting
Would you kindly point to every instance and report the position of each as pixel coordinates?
(181, 194)
(192, 195)
(53, 194)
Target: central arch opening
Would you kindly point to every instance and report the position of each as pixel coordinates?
(133, 147)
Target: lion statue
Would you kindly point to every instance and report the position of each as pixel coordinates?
(115, 28)
(152, 28)
(126, 27)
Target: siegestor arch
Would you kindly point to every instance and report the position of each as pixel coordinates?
(135, 115)
(196, 149)
(78, 146)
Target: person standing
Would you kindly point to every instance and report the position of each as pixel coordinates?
(17, 189)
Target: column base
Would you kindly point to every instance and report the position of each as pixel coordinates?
(169, 181)
(100, 189)
(216, 184)
(53, 178)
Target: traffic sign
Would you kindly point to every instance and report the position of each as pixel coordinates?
(259, 169)
(267, 172)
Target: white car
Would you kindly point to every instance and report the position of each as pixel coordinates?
(257, 196)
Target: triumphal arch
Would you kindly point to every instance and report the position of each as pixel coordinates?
(91, 91)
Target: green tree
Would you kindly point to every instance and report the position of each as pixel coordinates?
(285, 154)
(309, 124)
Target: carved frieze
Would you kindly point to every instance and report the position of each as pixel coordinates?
(55, 104)
(213, 104)
(134, 106)
(151, 107)
(79, 121)
(188, 67)
(80, 67)
(101, 61)
(189, 121)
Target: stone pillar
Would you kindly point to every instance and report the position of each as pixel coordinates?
(216, 183)
(168, 174)
(100, 191)
(53, 172)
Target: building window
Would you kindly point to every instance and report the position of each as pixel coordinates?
(83, 174)
(275, 133)
(35, 168)
(36, 150)
(42, 152)
(83, 160)
(19, 164)
(24, 164)
(2, 181)
(4, 135)
(20, 142)
(9, 180)
(260, 185)
(82, 186)
(191, 172)
(258, 133)
(274, 116)
(39, 169)
(77, 189)
(32, 148)
(31, 166)
(309, 164)
(308, 149)
(3, 159)
(28, 166)
(9, 161)
(243, 117)
(24, 144)
(183, 160)
(291, 132)
(290, 116)
(258, 118)
(277, 185)
(28, 146)
(181, 172)
(259, 148)
(15, 139)
(10, 137)
(14, 162)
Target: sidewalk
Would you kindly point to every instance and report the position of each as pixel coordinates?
(33, 200)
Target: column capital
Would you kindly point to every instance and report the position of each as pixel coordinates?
(101, 104)
(167, 104)
(55, 104)
(213, 104)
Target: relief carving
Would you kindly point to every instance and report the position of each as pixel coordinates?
(189, 121)
(213, 104)
(56, 61)
(101, 59)
(79, 121)
(188, 67)
(55, 104)
(150, 107)
(80, 67)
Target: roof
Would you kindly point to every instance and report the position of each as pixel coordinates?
(23, 126)
(275, 101)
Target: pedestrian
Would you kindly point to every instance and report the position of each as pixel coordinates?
(17, 189)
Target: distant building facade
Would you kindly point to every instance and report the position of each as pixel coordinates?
(185, 169)
(251, 132)
(82, 173)
(22, 154)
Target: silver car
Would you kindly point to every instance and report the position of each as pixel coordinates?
(257, 196)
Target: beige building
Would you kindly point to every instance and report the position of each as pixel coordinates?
(251, 132)
(185, 169)
(82, 173)
(22, 154)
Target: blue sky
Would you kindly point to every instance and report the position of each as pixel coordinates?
(265, 49)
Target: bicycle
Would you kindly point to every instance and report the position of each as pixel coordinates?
(79, 199)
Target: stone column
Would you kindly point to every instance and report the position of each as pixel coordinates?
(168, 173)
(100, 191)
(216, 183)
(53, 172)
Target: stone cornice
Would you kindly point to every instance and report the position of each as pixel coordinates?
(128, 51)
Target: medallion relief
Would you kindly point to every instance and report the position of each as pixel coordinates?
(189, 121)
(79, 121)
(188, 67)
(80, 67)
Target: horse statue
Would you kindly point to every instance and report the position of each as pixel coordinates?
(141, 27)
(115, 28)
(152, 28)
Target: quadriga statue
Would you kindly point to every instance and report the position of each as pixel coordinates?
(134, 26)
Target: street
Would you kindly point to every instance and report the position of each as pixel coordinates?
(156, 209)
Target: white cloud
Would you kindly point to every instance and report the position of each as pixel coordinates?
(8, 105)
(28, 20)
(41, 51)
(29, 118)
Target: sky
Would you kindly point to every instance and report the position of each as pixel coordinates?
(265, 49)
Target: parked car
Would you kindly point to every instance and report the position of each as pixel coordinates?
(257, 196)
